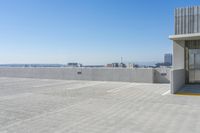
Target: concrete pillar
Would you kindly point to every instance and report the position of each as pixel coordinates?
(178, 72)
(178, 55)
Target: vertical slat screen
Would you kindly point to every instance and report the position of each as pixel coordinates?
(187, 20)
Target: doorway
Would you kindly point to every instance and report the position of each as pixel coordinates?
(194, 65)
(192, 62)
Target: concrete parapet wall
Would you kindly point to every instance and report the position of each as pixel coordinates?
(162, 75)
(177, 80)
(146, 75)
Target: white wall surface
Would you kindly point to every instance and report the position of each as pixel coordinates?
(178, 55)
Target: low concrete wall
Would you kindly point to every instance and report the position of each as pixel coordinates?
(96, 74)
(162, 75)
(177, 80)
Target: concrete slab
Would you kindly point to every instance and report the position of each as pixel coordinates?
(193, 36)
(60, 106)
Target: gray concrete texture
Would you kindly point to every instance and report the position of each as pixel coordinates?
(177, 80)
(68, 106)
(162, 75)
(178, 54)
(92, 74)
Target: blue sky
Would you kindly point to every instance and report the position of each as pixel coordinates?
(86, 31)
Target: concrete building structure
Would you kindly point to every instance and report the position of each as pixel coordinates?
(186, 48)
(74, 64)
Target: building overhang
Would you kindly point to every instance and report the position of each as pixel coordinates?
(193, 36)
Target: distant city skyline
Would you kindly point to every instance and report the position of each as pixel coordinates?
(86, 31)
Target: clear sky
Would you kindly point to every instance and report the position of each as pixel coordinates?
(86, 31)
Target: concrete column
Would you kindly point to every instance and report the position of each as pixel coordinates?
(178, 55)
(178, 72)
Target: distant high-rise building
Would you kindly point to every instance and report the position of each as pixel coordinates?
(168, 59)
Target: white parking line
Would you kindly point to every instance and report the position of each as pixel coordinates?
(15, 96)
(82, 86)
(167, 92)
(49, 84)
(119, 88)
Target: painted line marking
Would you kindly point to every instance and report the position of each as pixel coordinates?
(115, 90)
(52, 84)
(15, 96)
(83, 86)
(167, 92)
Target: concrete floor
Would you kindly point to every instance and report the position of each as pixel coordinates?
(59, 106)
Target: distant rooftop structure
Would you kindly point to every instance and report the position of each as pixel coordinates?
(74, 64)
(122, 65)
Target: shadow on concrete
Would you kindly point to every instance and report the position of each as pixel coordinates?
(190, 90)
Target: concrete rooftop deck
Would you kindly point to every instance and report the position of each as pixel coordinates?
(60, 106)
